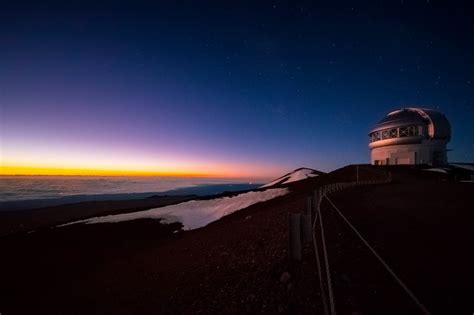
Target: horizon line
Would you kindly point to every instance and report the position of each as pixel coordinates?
(10, 170)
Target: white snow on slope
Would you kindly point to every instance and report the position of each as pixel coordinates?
(195, 213)
(292, 177)
(439, 170)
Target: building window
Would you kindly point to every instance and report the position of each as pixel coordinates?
(408, 131)
(393, 133)
(375, 136)
(404, 132)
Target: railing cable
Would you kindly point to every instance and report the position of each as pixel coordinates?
(328, 272)
(397, 279)
(318, 262)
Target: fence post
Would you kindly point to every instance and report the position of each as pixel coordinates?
(306, 222)
(308, 205)
(295, 248)
(306, 228)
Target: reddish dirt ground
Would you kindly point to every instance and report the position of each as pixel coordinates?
(422, 226)
(424, 230)
(233, 265)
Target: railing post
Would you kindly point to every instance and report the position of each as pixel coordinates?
(306, 228)
(308, 205)
(294, 244)
(306, 222)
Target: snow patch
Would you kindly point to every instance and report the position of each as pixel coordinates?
(295, 176)
(195, 213)
(439, 170)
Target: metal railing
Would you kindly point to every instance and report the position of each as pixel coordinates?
(309, 227)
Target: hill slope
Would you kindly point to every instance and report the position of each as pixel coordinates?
(297, 175)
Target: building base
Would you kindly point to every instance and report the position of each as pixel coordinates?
(409, 154)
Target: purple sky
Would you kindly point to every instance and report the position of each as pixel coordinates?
(250, 90)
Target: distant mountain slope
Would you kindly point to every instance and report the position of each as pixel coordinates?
(192, 214)
(296, 175)
(466, 166)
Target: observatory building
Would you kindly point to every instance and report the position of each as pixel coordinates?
(410, 136)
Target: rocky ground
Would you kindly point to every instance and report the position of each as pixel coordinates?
(421, 224)
(423, 227)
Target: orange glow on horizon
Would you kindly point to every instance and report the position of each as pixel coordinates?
(25, 170)
(64, 171)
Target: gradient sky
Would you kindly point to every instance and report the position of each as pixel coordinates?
(237, 89)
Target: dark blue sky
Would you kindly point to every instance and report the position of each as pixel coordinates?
(266, 86)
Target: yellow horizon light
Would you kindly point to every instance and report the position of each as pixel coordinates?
(13, 170)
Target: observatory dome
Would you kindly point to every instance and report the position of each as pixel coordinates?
(410, 136)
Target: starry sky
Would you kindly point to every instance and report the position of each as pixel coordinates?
(226, 88)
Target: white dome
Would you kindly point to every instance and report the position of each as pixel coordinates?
(419, 133)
